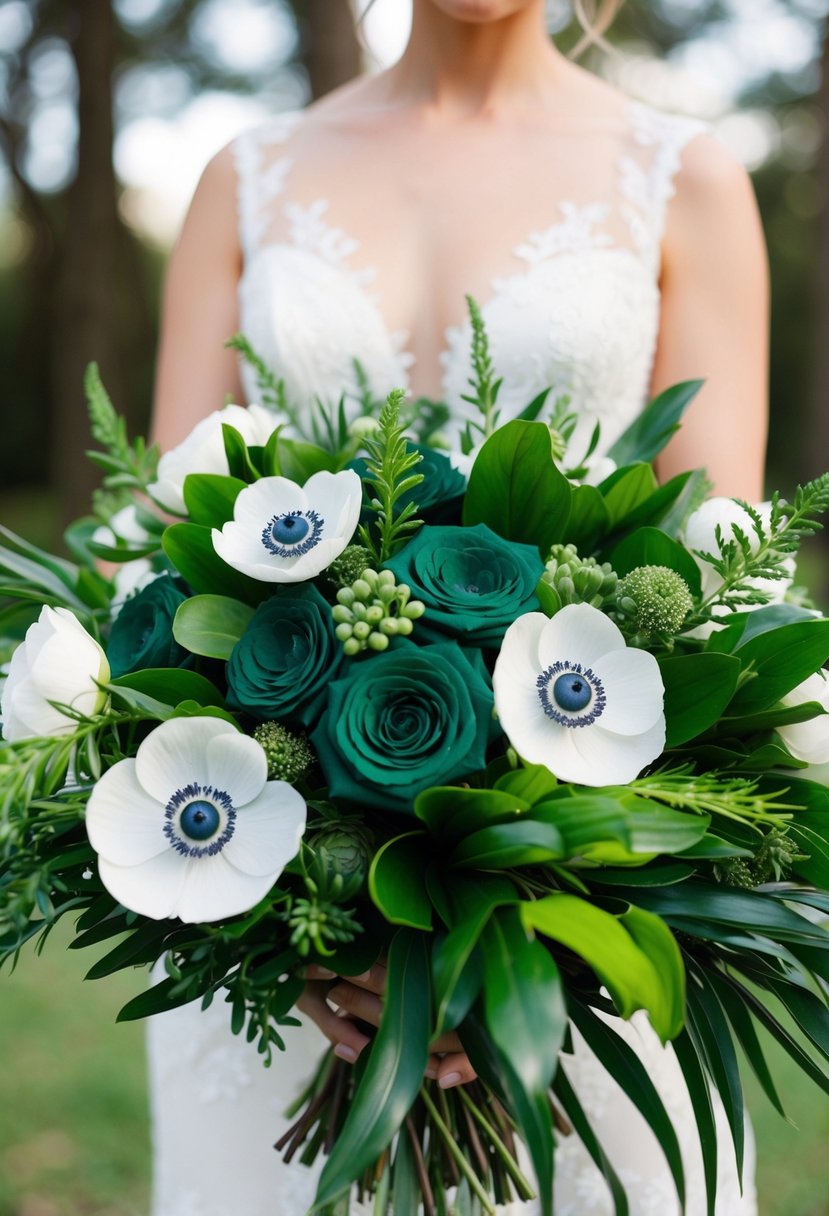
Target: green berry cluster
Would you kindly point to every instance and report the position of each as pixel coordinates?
(579, 580)
(374, 609)
(772, 862)
(289, 756)
(653, 602)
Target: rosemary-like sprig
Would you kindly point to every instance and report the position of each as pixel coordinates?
(390, 462)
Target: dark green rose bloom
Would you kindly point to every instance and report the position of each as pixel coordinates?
(474, 583)
(438, 497)
(142, 633)
(282, 665)
(402, 721)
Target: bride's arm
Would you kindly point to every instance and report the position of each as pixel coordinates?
(194, 372)
(715, 321)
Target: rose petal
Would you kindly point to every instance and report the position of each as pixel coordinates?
(124, 824)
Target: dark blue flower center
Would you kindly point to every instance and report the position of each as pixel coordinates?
(570, 694)
(199, 820)
(292, 533)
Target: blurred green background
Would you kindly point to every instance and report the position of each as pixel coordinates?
(108, 112)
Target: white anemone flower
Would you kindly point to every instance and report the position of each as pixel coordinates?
(203, 450)
(123, 526)
(282, 532)
(571, 695)
(808, 741)
(57, 661)
(192, 827)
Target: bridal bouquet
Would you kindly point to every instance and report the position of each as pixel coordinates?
(549, 739)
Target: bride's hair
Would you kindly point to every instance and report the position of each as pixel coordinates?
(595, 18)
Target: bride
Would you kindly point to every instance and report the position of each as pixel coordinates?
(614, 251)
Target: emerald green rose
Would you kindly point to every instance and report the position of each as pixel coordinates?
(142, 633)
(474, 583)
(402, 721)
(281, 666)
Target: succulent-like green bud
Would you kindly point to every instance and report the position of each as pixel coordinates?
(345, 847)
(289, 756)
(579, 580)
(372, 609)
(775, 857)
(654, 601)
(348, 566)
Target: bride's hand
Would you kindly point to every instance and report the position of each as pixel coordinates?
(360, 996)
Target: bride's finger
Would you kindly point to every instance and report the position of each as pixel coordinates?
(359, 1002)
(373, 980)
(347, 1040)
(455, 1069)
(448, 1041)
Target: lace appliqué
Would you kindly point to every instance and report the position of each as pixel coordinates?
(574, 233)
(258, 183)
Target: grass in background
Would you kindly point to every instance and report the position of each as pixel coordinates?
(74, 1137)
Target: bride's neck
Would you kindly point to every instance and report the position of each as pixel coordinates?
(461, 68)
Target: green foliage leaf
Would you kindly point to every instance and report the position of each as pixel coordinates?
(650, 547)
(397, 881)
(238, 458)
(393, 1073)
(209, 497)
(698, 687)
(452, 812)
(190, 549)
(171, 686)
(531, 783)
(589, 518)
(504, 845)
(516, 489)
(781, 658)
(626, 490)
(211, 625)
(647, 435)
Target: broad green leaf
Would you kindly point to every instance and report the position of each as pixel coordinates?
(626, 1068)
(769, 719)
(211, 625)
(585, 821)
(627, 489)
(524, 1004)
(744, 626)
(504, 845)
(698, 687)
(473, 903)
(531, 783)
(453, 812)
(397, 881)
(210, 497)
(744, 910)
(629, 972)
(516, 488)
(650, 547)
(781, 658)
(393, 1073)
(655, 939)
(238, 457)
(657, 506)
(653, 875)
(589, 519)
(171, 686)
(300, 460)
(647, 435)
(190, 549)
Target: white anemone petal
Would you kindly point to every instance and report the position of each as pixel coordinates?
(611, 759)
(237, 765)
(213, 889)
(518, 662)
(176, 754)
(124, 824)
(257, 504)
(151, 888)
(239, 546)
(268, 831)
(633, 688)
(578, 633)
(337, 497)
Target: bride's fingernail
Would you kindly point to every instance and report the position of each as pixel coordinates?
(313, 972)
(344, 1052)
(431, 1074)
(449, 1080)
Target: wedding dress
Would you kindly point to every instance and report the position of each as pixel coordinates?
(575, 304)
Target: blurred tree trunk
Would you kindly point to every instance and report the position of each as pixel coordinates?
(816, 446)
(330, 50)
(85, 307)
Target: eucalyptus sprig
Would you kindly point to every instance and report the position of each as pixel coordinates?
(127, 465)
(390, 463)
(736, 798)
(744, 558)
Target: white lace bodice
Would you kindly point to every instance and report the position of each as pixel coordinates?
(573, 304)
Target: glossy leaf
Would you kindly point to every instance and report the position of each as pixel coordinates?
(708, 1025)
(505, 845)
(393, 1073)
(647, 435)
(589, 519)
(171, 686)
(627, 489)
(238, 457)
(452, 812)
(209, 498)
(516, 488)
(190, 549)
(781, 658)
(211, 625)
(397, 881)
(700, 1094)
(698, 687)
(531, 783)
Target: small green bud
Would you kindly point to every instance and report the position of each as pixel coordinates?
(289, 756)
(378, 641)
(345, 596)
(387, 578)
(340, 613)
(414, 610)
(391, 625)
(352, 646)
(344, 631)
(362, 590)
(358, 611)
(404, 626)
(655, 599)
(386, 593)
(361, 630)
